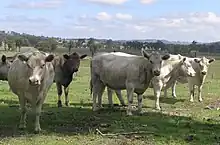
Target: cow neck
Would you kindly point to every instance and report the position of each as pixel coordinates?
(148, 74)
(173, 75)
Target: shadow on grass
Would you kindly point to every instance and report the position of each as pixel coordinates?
(165, 99)
(82, 121)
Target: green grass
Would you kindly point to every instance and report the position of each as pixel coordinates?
(77, 124)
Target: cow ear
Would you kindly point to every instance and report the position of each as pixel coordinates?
(211, 60)
(83, 56)
(196, 60)
(145, 54)
(180, 56)
(49, 58)
(165, 57)
(23, 57)
(66, 56)
(3, 58)
(184, 59)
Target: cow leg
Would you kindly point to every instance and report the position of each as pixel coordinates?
(157, 91)
(165, 92)
(101, 91)
(130, 93)
(191, 92)
(110, 97)
(200, 93)
(38, 108)
(140, 97)
(59, 92)
(22, 101)
(66, 92)
(97, 88)
(118, 93)
(174, 89)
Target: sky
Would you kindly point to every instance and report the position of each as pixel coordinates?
(174, 20)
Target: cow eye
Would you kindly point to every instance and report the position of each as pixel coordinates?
(151, 61)
(42, 65)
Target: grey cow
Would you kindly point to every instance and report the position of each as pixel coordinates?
(30, 77)
(119, 72)
(65, 66)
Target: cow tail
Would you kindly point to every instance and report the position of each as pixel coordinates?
(91, 86)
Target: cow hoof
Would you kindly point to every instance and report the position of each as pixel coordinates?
(37, 130)
(129, 114)
(95, 109)
(141, 113)
(174, 96)
(67, 103)
(191, 100)
(22, 126)
(59, 103)
(200, 100)
(123, 105)
(110, 106)
(158, 108)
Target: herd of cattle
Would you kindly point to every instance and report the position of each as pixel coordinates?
(31, 74)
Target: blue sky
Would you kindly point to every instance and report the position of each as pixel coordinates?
(182, 20)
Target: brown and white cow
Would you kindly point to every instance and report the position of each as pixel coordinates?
(119, 72)
(65, 66)
(30, 77)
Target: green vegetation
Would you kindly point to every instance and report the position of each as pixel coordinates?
(180, 122)
(14, 41)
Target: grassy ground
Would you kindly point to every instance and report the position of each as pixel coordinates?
(179, 122)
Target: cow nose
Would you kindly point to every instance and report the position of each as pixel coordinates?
(203, 73)
(156, 72)
(33, 81)
(76, 70)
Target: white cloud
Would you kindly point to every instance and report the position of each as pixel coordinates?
(146, 1)
(108, 2)
(121, 16)
(103, 16)
(45, 4)
(183, 27)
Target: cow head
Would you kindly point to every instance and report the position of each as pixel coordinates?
(186, 68)
(155, 60)
(4, 68)
(204, 64)
(36, 66)
(72, 63)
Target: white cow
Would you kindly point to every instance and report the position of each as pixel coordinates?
(201, 66)
(30, 77)
(120, 72)
(171, 69)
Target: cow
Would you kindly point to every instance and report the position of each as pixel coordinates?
(4, 66)
(120, 72)
(171, 70)
(65, 66)
(30, 77)
(201, 66)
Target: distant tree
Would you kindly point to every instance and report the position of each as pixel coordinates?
(109, 44)
(47, 45)
(70, 46)
(92, 46)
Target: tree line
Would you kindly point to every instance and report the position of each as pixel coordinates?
(14, 40)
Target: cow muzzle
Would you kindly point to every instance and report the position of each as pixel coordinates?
(34, 81)
(203, 72)
(191, 74)
(156, 72)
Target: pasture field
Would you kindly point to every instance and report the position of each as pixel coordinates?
(180, 122)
